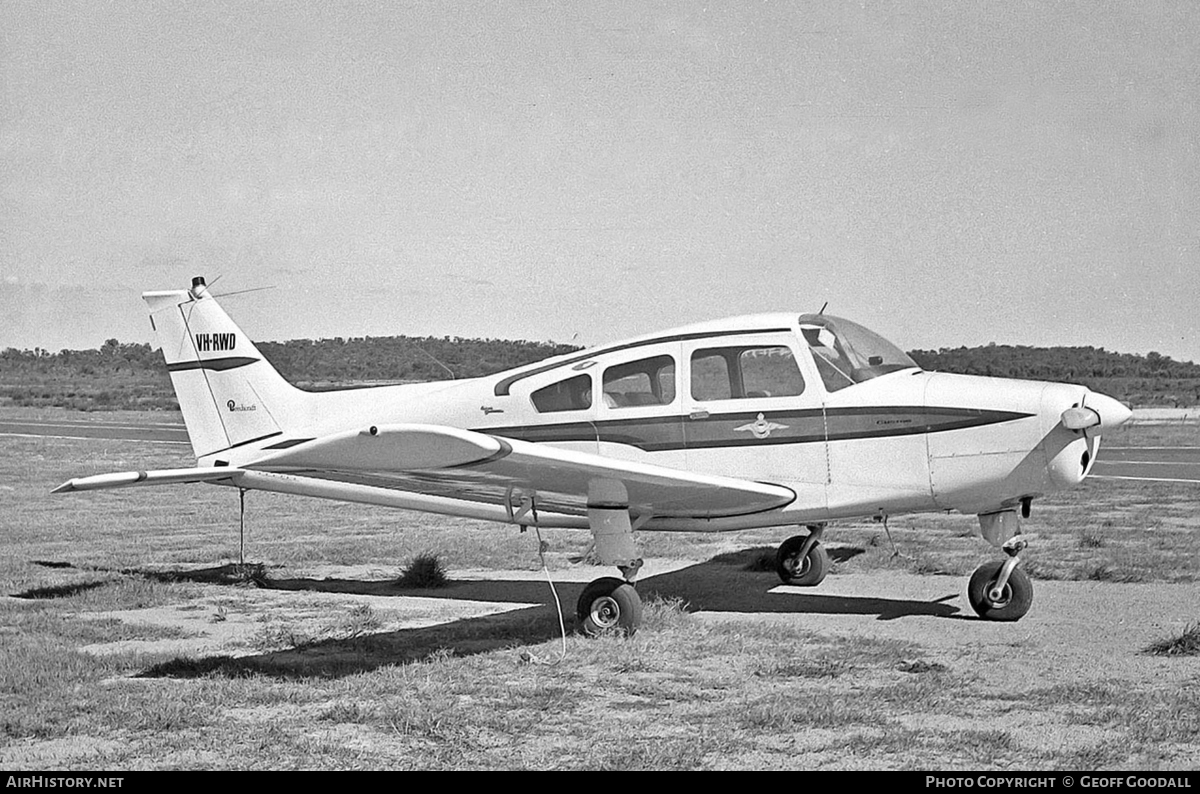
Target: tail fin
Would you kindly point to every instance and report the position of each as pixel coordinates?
(229, 394)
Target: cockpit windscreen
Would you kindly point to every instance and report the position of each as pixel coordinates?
(847, 353)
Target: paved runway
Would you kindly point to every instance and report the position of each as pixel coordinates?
(1163, 464)
(164, 433)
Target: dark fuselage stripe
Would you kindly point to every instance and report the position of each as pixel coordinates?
(777, 427)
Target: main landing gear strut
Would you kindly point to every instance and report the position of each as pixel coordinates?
(609, 603)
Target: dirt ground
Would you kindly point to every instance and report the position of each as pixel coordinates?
(1076, 630)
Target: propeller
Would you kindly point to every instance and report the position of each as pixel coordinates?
(1104, 414)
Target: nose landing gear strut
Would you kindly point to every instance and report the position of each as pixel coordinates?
(999, 590)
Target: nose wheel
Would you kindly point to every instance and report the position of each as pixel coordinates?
(1000, 590)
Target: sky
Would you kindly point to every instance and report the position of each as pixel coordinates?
(946, 173)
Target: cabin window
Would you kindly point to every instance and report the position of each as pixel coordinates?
(648, 381)
(738, 373)
(710, 376)
(573, 394)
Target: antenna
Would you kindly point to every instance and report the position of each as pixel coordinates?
(243, 291)
(440, 364)
(198, 285)
(823, 308)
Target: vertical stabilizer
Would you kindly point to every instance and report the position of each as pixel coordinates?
(229, 394)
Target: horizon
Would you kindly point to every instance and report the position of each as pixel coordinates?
(941, 349)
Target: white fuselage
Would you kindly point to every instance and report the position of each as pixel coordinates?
(898, 441)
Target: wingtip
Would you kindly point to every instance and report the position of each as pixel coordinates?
(66, 487)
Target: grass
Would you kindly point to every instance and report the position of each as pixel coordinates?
(329, 675)
(1186, 643)
(423, 572)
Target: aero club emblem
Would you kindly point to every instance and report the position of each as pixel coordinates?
(760, 427)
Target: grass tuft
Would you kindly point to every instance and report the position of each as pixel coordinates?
(662, 614)
(1187, 643)
(822, 667)
(250, 574)
(360, 621)
(425, 572)
(281, 636)
(920, 666)
(1091, 538)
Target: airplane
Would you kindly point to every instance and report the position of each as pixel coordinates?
(771, 420)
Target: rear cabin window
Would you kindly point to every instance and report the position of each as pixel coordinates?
(738, 373)
(648, 381)
(573, 394)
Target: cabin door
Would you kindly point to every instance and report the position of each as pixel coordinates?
(750, 412)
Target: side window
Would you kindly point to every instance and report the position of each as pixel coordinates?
(731, 373)
(573, 394)
(648, 381)
(770, 372)
(710, 376)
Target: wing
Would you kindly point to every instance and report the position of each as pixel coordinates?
(467, 465)
(161, 477)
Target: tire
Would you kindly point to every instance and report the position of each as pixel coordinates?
(808, 572)
(607, 605)
(1015, 601)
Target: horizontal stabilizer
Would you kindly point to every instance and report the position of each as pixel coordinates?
(124, 479)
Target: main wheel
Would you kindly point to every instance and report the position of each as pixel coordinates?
(808, 572)
(609, 604)
(1014, 601)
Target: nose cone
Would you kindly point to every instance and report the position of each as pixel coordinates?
(1112, 413)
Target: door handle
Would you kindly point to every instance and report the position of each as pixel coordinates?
(699, 413)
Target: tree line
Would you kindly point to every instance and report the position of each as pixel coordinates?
(120, 375)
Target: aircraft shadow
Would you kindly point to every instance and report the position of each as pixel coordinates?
(732, 582)
(729, 583)
(743, 581)
(336, 658)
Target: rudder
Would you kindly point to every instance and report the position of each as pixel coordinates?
(229, 394)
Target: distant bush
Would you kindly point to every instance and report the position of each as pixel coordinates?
(132, 376)
(1153, 379)
(120, 376)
